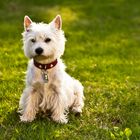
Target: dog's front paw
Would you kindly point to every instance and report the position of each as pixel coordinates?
(60, 119)
(27, 117)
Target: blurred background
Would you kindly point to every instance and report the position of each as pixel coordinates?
(102, 51)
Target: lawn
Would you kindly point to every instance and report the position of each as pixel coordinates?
(102, 51)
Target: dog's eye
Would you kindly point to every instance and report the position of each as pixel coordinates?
(33, 40)
(47, 40)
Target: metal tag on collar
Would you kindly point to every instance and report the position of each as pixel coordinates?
(45, 76)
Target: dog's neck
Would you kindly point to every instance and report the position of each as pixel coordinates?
(45, 66)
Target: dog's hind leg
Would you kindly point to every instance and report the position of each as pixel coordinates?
(79, 98)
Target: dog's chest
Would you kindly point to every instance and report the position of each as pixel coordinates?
(49, 84)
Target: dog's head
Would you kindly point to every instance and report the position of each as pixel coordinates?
(43, 42)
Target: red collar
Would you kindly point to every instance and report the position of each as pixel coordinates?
(45, 66)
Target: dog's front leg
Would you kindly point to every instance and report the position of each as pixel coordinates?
(59, 112)
(59, 104)
(29, 104)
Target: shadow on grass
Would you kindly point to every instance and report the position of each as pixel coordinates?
(44, 128)
(40, 128)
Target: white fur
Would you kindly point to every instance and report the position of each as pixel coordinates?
(62, 91)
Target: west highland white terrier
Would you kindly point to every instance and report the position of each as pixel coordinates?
(48, 86)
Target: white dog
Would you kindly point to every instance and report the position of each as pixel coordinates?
(48, 86)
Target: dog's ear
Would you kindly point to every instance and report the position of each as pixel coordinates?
(27, 22)
(57, 22)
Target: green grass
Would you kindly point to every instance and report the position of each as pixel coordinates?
(102, 51)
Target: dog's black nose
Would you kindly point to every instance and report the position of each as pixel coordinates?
(39, 50)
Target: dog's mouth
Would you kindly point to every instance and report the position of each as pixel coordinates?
(42, 57)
